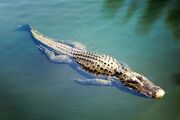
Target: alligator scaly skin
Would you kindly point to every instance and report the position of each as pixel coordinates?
(98, 64)
(101, 65)
(94, 63)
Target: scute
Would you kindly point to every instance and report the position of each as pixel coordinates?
(98, 64)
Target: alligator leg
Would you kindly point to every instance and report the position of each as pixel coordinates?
(76, 45)
(95, 82)
(57, 58)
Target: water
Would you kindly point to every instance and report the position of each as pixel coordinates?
(143, 34)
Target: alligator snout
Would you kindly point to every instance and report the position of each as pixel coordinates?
(159, 94)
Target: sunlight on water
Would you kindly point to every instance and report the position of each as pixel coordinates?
(143, 34)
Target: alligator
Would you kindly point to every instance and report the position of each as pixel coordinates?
(98, 69)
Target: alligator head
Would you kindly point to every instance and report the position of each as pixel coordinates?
(140, 84)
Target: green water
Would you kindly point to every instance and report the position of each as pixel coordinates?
(145, 34)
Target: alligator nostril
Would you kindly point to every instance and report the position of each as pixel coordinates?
(159, 94)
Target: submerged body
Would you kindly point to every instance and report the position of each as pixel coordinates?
(100, 69)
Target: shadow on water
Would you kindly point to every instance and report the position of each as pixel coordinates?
(111, 7)
(173, 19)
(177, 83)
(177, 78)
(152, 11)
(131, 10)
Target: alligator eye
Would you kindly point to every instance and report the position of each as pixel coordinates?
(139, 77)
(132, 81)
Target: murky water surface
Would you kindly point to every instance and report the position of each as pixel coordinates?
(145, 34)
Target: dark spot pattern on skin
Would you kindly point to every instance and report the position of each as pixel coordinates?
(132, 81)
(118, 74)
(99, 64)
(95, 63)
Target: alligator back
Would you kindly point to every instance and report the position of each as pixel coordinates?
(98, 64)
